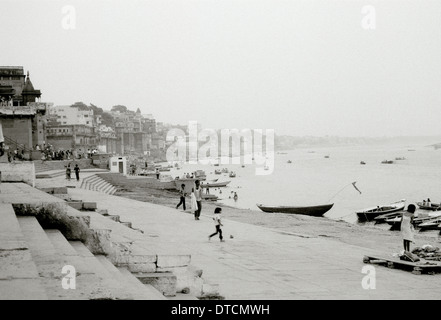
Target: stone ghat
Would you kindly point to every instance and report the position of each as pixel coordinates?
(40, 233)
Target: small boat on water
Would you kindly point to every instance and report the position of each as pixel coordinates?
(362, 162)
(215, 184)
(387, 161)
(429, 206)
(289, 161)
(232, 174)
(217, 171)
(370, 213)
(316, 211)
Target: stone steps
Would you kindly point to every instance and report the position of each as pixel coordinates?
(95, 183)
(19, 278)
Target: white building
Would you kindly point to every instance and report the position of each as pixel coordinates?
(72, 115)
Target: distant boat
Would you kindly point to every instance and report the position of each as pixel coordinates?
(217, 171)
(400, 158)
(370, 213)
(432, 206)
(289, 161)
(232, 174)
(215, 184)
(316, 211)
(326, 156)
(362, 162)
(225, 170)
(209, 197)
(387, 161)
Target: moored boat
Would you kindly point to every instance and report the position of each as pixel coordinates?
(215, 184)
(316, 211)
(386, 216)
(429, 206)
(370, 213)
(432, 224)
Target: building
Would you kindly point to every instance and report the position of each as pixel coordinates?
(22, 115)
(81, 139)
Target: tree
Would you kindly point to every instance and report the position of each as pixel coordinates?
(119, 108)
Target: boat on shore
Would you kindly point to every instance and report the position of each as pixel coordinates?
(215, 184)
(370, 213)
(315, 211)
(384, 217)
(432, 224)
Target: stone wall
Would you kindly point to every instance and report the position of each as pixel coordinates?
(18, 172)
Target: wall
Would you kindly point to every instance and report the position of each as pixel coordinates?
(18, 129)
(18, 172)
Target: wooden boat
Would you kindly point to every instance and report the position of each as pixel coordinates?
(370, 213)
(432, 224)
(316, 211)
(215, 184)
(431, 206)
(395, 221)
(386, 216)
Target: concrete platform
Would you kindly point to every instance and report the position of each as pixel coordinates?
(262, 263)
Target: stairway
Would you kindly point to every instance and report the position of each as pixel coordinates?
(95, 183)
(96, 278)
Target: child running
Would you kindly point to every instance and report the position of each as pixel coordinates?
(218, 224)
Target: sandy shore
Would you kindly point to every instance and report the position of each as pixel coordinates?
(377, 237)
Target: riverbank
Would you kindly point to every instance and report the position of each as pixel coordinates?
(377, 237)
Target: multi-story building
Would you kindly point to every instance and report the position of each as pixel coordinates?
(22, 115)
(79, 138)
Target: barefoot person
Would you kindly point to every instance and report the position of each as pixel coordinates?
(182, 197)
(218, 224)
(406, 227)
(198, 194)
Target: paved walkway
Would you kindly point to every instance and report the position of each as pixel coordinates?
(262, 263)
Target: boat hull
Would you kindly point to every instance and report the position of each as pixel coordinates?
(372, 213)
(316, 211)
(215, 185)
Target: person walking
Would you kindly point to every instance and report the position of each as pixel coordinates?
(182, 197)
(218, 223)
(68, 172)
(407, 227)
(198, 195)
(77, 172)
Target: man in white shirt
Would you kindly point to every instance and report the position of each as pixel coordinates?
(198, 194)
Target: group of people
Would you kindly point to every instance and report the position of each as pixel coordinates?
(69, 172)
(196, 207)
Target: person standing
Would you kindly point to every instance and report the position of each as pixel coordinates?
(406, 226)
(198, 195)
(182, 198)
(77, 172)
(193, 203)
(218, 224)
(157, 173)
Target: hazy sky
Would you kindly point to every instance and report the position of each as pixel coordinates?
(299, 67)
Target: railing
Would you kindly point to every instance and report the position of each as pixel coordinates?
(13, 144)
